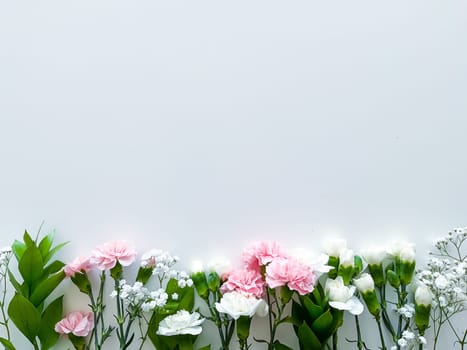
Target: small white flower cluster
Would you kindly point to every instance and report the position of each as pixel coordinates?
(455, 237)
(407, 311)
(162, 264)
(160, 261)
(409, 340)
(137, 297)
(182, 277)
(5, 254)
(446, 273)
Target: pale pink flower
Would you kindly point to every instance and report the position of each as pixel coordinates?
(292, 273)
(277, 273)
(302, 278)
(260, 254)
(105, 256)
(76, 322)
(245, 281)
(78, 265)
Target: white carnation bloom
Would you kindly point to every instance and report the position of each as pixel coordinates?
(346, 257)
(333, 247)
(220, 265)
(375, 255)
(182, 322)
(236, 304)
(342, 297)
(364, 283)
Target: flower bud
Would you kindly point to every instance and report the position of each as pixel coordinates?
(366, 287)
(405, 270)
(199, 279)
(374, 256)
(404, 254)
(423, 295)
(423, 299)
(334, 263)
(364, 283)
(214, 281)
(333, 247)
(393, 279)
(376, 272)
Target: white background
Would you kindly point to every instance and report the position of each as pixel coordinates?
(197, 127)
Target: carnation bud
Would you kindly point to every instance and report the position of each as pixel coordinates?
(366, 287)
(199, 278)
(393, 279)
(423, 299)
(376, 271)
(334, 262)
(214, 281)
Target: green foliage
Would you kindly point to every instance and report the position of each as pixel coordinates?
(314, 321)
(39, 279)
(7, 344)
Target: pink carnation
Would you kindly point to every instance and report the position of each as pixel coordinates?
(291, 272)
(245, 281)
(78, 265)
(78, 323)
(260, 254)
(277, 273)
(106, 255)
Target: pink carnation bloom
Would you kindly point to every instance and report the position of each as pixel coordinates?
(78, 265)
(260, 254)
(78, 323)
(291, 272)
(245, 281)
(105, 256)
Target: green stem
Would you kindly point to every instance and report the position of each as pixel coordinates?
(217, 318)
(5, 318)
(386, 318)
(359, 333)
(335, 340)
(380, 330)
(120, 318)
(435, 342)
(271, 328)
(144, 335)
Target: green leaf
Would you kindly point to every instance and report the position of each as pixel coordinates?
(18, 249)
(51, 315)
(299, 315)
(28, 240)
(172, 286)
(307, 338)
(25, 316)
(45, 245)
(358, 265)
(31, 265)
(313, 310)
(187, 299)
(321, 327)
(207, 347)
(7, 344)
(54, 251)
(15, 283)
(81, 281)
(144, 274)
(53, 267)
(46, 287)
